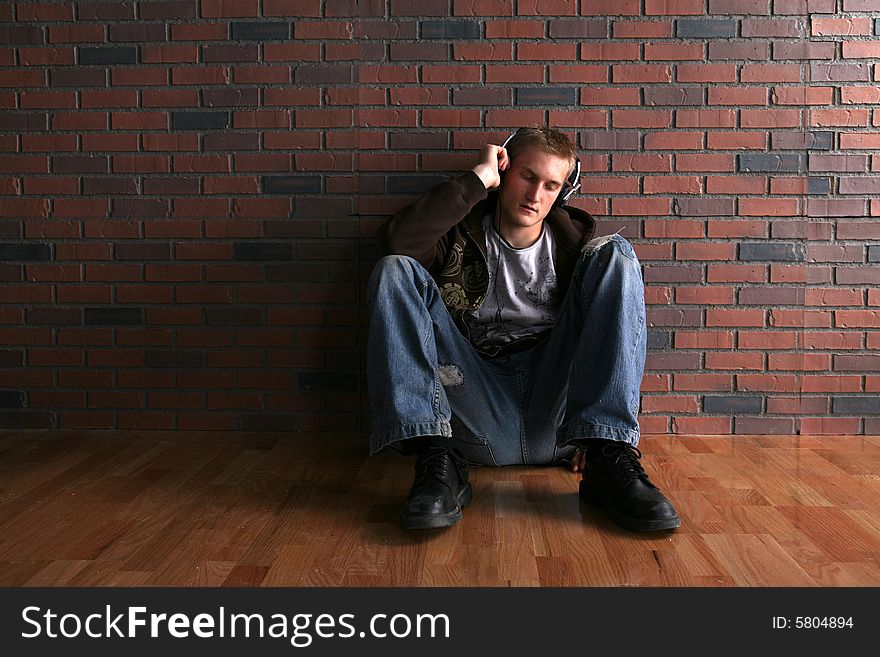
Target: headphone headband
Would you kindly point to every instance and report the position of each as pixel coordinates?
(571, 185)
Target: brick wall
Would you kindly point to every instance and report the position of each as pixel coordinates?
(188, 190)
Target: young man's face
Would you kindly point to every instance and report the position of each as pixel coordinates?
(530, 187)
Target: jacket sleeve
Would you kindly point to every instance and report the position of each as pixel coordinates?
(421, 229)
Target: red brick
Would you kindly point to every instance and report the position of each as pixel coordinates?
(771, 207)
(563, 73)
(639, 207)
(652, 162)
(861, 49)
(736, 184)
(803, 96)
(641, 73)
(705, 73)
(579, 118)
(841, 26)
(704, 162)
(296, 52)
(859, 95)
(838, 117)
(295, 8)
(741, 140)
(539, 51)
(609, 51)
(674, 141)
(673, 7)
(547, 8)
(771, 73)
(609, 96)
(230, 8)
(641, 118)
(484, 52)
(770, 118)
(673, 51)
(451, 73)
(642, 29)
(687, 118)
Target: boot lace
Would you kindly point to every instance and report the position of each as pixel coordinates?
(627, 459)
(434, 463)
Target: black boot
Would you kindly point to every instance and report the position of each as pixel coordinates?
(440, 489)
(614, 480)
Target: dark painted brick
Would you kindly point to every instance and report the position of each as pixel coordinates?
(659, 339)
(263, 250)
(761, 162)
(867, 404)
(102, 315)
(291, 184)
(877, 26)
(546, 96)
(335, 381)
(655, 95)
(25, 251)
(577, 28)
(55, 316)
(11, 399)
(142, 251)
(450, 30)
(108, 55)
(260, 30)
(179, 358)
(818, 185)
(26, 420)
(874, 253)
(199, 120)
(732, 404)
(9, 357)
(799, 141)
(168, 9)
(699, 28)
(704, 207)
(21, 34)
(268, 422)
(324, 73)
(412, 184)
(789, 252)
(232, 316)
(20, 121)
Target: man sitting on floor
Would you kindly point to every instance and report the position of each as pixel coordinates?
(503, 333)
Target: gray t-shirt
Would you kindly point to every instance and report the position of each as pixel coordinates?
(523, 295)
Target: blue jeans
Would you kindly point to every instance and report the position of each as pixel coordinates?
(531, 407)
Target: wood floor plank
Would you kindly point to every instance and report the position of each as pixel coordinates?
(148, 508)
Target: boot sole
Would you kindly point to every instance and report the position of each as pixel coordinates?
(438, 521)
(594, 497)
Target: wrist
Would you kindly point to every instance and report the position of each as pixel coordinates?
(484, 174)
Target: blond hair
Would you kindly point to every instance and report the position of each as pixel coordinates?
(549, 140)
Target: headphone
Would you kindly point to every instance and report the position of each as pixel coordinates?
(569, 187)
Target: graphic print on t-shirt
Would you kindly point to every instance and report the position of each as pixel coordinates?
(523, 297)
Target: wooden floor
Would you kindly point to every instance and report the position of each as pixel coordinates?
(233, 509)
